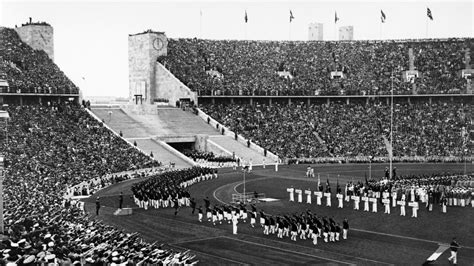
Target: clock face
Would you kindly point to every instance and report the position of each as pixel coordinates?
(158, 44)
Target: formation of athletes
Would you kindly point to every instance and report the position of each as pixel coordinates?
(305, 225)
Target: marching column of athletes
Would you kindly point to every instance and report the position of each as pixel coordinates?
(306, 225)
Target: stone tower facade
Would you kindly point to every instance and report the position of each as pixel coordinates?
(143, 51)
(315, 31)
(38, 35)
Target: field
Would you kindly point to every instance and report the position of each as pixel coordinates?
(374, 238)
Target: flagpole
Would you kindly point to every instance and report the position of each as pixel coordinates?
(380, 30)
(200, 23)
(289, 32)
(391, 127)
(426, 33)
(245, 33)
(245, 27)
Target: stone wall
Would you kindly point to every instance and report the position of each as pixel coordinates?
(38, 37)
(167, 86)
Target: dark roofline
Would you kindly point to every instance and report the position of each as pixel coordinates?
(36, 24)
(147, 31)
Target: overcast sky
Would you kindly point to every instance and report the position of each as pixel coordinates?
(91, 38)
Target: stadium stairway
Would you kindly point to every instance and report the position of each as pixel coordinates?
(150, 130)
(144, 129)
(241, 151)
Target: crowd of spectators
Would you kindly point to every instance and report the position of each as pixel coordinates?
(230, 67)
(350, 130)
(49, 150)
(28, 70)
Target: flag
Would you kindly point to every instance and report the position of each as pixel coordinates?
(335, 17)
(428, 13)
(382, 16)
(291, 16)
(246, 18)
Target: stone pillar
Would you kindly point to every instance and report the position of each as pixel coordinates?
(289, 101)
(270, 101)
(251, 101)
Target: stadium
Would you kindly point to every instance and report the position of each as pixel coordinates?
(241, 151)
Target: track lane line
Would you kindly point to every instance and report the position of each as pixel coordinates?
(290, 251)
(210, 255)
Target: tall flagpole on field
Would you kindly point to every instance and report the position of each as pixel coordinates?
(391, 126)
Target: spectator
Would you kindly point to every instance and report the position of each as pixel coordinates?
(51, 149)
(350, 130)
(28, 70)
(213, 67)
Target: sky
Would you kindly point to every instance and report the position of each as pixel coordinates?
(91, 38)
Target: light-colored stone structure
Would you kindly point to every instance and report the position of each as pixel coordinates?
(346, 33)
(39, 36)
(315, 31)
(147, 77)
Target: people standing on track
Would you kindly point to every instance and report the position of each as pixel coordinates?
(235, 221)
(176, 207)
(200, 214)
(454, 252)
(97, 206)
(192, 204)
(345, 228)
(120, 200)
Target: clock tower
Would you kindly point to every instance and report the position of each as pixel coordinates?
(143, 51)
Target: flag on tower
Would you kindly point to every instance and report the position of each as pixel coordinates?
(291, 16)
(335, 17)
(382, 16)
(246, 18)
(428, 13)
